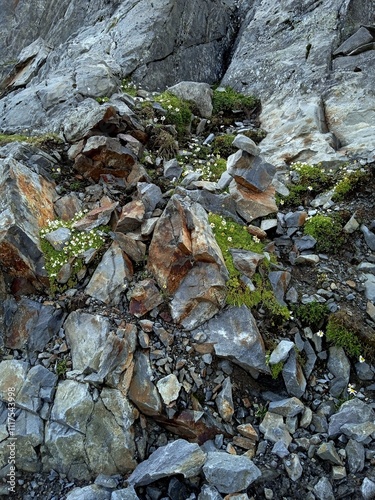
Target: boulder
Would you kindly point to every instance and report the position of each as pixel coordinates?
(200, 94)
(251, 172)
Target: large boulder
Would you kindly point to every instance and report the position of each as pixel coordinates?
(187, 262)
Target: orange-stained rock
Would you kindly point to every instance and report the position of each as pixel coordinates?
(26, 203)
(251, 205)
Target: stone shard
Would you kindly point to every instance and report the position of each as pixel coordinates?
(111, 277)
(230, 473)
(250, 172)
(252, 205)
(235, 336)
(142, 390)
(86, 335)
(169, 388)
(26, 203)
(178, 457)
(287, 407)
(224, 401)
(144, 297)
(354, 411)
(293, 376)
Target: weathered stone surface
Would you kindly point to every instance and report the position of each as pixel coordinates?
(178, 457)
(38, 388)
(86, 335)
(230, 473)
(169, 388)
(128, 493)
(293, 376)
(354, 411)
(286, 407)
(198, 93)
(252, 173)
(323, 489)
(184, 257)
(327, 451)
(142, 390)
(144, 297)
(59, 238)
(224, 401)
(368, 489)
(13, 374)
(132, 216)
(235, 336)
(339, 365)
(32, 326)
(26, 203)
(280, 281)
(355, 453)
(251, 205)
(87, 492)
(246, 144)
(281, 352)
(246, 261)
(111, 277)
(274, 429)
(97, 217)
(293, 466)
(150, 195)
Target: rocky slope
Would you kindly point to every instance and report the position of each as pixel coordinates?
(170, 306)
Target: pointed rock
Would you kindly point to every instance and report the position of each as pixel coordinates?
(250, 204)
(169, 388)
(142, 390)
(224, 401)
(111, 277)
(250, 172)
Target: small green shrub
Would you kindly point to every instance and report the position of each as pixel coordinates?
(312, 314)
(276, 369)
(129, 88)
(341, 332)
(348, 184)
(61, 368)
(102, 100)
(222, 145)
(201, 159)
(178, 112)
(79, 242)
(228, 100)
(36, 140)
(327, 231)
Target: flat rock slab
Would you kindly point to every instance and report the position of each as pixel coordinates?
(236, 337)
(178, 457)
(230, 473)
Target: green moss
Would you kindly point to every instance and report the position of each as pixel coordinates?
(341, 332)
(228, 235)
(222, 145)
(327, 231)
(129, 87)
(276, 369)
(178, 112)
(79, 242)
(37, 140)
(348, 184)
(228, 100)
(312, 314)
(102, 100)
(61, 368)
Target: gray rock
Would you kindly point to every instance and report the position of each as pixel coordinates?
(246, 261)
(280, 449)
(354, 411)
(360, 37)
(294, 379)
(246, 144)
(304, 243)
(369, 237)
(172, 169)
(327, 451)
(323, 489)
(293, 467)
(209, 493)
(368, 489)
(281, 352)
(286, 407)
(355, 454)
(151, 195)
(86, 335)
(251, 172)
(274, 429)
(369, 285)
(13, 374)
(142, 391)
(224, 401)
(250, 204)
(279, 281)
(178, 457)
(244, 346)
(128, 493)
(89, 493)
(169, 388)
(38, 387)
(111, 277)
(338, 364)
(230, 473)
(59, 238)
(198, 93)
(359, 432)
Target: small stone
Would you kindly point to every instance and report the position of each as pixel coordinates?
(338, 472)
(224, 401)
(293, 467)
(59, 238)
(368, 489)
(248, 431)
(355, 453)
(274, 429)
(323, 489)
(281, 352)
(327, 451)
(169, 388)
(246, 144)
(286, 407)
(280, 449)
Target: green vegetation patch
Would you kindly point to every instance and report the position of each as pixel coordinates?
(178, 112)
(200, 158)
(348, 184)
(312, 314)
(341, 332)
(328, 232)
(229, 235)
(222, 145)
(227, 100)
(37, 140)
(128, 87)
(72, 254)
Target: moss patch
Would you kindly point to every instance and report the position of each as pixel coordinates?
(341, 332)
(226, 100)
(328, 232)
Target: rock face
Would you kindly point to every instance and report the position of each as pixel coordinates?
(320, 100)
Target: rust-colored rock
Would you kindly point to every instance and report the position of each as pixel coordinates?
(251, 205)
(26, 203)
(131, 217)
(144, 297)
